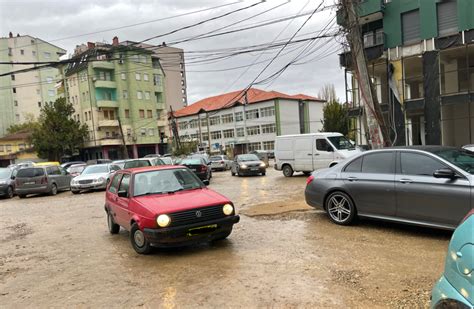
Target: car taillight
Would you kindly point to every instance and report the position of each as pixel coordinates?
(471, 213)
(310, 178)
(203, 168)
(44, 180)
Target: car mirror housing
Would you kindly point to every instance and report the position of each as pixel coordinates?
(123, 194)
(12, 177)
(444, 173)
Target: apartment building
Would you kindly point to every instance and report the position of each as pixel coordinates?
(16, 148)
(239, 122)
(118, 91)
(174, 68)
(23, 94)
(421, 59)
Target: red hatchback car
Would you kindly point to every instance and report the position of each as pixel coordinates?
(166, 206)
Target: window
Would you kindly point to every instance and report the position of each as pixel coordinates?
(216, 135)
(411, 27)
(147, 95)
(205, 136)
(53, 170)
(13, 77)
(379, 37)
(137, 76)
(240, 132)
(125, 183)
(47, 55)
(228, 133)
(268, 128)
(139, 95)
(355, 166)
(129, 132)
(157, 80)
(253, 146)
(322, 144)
(269, 145)
(215, 120)
(15, 103)
(22, 51)
(115, 182)
(143, 132)
(85, 116)
(239, 116)
(254, 130)
(251, 114)
(145, 77)
(125, 94)
(107, 134)
(159, 97)
(149, 113)
(378, 163)
(267, 111)
(447, 17)
(228, 118)
(49, 79)
(151, 132)
(182, 125)
(123, 76)
(2, 148)
(17, 117)
(39, 104)
(9, 148)
(418, 164)
(413, 78)
(193, 123)
(369, 39)
(51, 92)
(141, 112)
(33, 53)
(38, 91)
(14, 90)
(10, 52)
(203, 122)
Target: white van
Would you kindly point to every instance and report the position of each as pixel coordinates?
(309, 152)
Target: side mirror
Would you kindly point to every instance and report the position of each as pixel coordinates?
(206, 182)
(444, 173)
(12, 177)
(123, 194)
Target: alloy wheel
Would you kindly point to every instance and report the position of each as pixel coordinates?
(339, 208)
(139, 238)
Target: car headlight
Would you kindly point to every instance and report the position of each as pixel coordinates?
(228, 209)
(243, 166)
(3, 182)
(101, 179)
(73, 182)
(262, 164)
(163, 220)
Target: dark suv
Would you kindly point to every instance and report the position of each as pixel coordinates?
(41, 179)
(7, 183)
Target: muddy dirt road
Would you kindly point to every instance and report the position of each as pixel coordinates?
(57, 252)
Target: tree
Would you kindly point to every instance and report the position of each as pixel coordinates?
(57, 134)
(336, 118)
(328, 93)
(28, 126)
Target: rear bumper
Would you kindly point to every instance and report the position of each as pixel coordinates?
(314, 197)
(179, 236)
(443, 291)
(202, 176)
(35, 190)
(218, 166)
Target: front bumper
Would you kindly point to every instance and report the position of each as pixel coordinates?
(443, 291)
(252, 171)
(89, 186)
(3, 190)
(178, 236)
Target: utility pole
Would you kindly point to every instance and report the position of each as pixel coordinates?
(174, 129)
(377, 129)
(124, 145)
(208, 133)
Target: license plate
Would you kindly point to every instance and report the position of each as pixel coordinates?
(30, 183)
(202, 230)
(254, 169)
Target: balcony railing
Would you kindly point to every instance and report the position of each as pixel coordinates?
(108, 123)
(107, 65)
(107, 104)
(98, 83)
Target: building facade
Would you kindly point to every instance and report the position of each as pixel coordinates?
(421, 61)
(118, 91)
(23, 94)
(16, 148)
(237, 123)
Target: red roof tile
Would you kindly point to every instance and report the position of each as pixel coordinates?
(230, 99)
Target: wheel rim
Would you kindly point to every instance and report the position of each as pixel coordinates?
(109, 221)
(339, 208)
(10, 192)
(54, 190)
(287, 171)
(139, 238)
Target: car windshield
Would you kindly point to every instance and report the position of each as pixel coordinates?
(76, 169)
(5, 173)
(216, 159)
(341, 142)
(165, 181)
(95, 169)
(461, 158)
(137, 163)
(191, 162)
(248, 157)
(167, 160)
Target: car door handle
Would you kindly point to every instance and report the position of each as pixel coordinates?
(310, 154)
(404, 180)
(352, 178)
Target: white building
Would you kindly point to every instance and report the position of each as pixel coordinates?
(240, 122)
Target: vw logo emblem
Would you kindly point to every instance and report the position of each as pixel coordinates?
(198, 214)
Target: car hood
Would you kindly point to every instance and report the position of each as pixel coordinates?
(346, 153)
(180, 201)
(91, 176)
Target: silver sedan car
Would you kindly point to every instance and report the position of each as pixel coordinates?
(420, 185)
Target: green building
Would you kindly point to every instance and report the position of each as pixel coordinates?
(118, 92)
(426, 48)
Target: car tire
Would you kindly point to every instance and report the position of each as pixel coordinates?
(340, 208)
(239, 173)
(114, 228)
(287, 171)
(10, 192)
(54, 189)
(222, 236)
(139, 242)
(232, 173)
(306, 173)
(264, 173)
(75, 191)
(22, 195)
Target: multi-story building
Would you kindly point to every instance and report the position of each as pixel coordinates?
(237, 123)
(118, 92)
(172, 60)
(423, 53)
(23, 94)
(16, 148)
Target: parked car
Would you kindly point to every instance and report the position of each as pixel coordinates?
(469, 147)
(68, 164)
(98, 161)
(309, 152)
(76, 169)
(41, 179)
(424, 185)
(49, 163)
(220, 162)
(93, 177)
(152, 155)
(455, 287)
(21, 165)
(199, 167)
(165, 161)
(204, 156)
(133, 163)
(166, 206)
(7, 182)
(247, 164)
(120, 163)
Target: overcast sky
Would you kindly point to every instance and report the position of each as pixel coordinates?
(54, 20)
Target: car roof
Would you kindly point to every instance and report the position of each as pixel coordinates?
(429, 148)
(137, 170)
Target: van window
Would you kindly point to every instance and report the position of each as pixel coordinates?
(378, 163)
(53, 170)
(322, 144)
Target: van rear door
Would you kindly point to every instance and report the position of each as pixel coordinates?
(303, 149)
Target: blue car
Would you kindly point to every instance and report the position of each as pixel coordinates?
(455, 289)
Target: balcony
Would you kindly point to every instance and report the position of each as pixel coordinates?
(105, 84)
(117, 140)
(108, 123)
(107, 65)
(107, 104)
